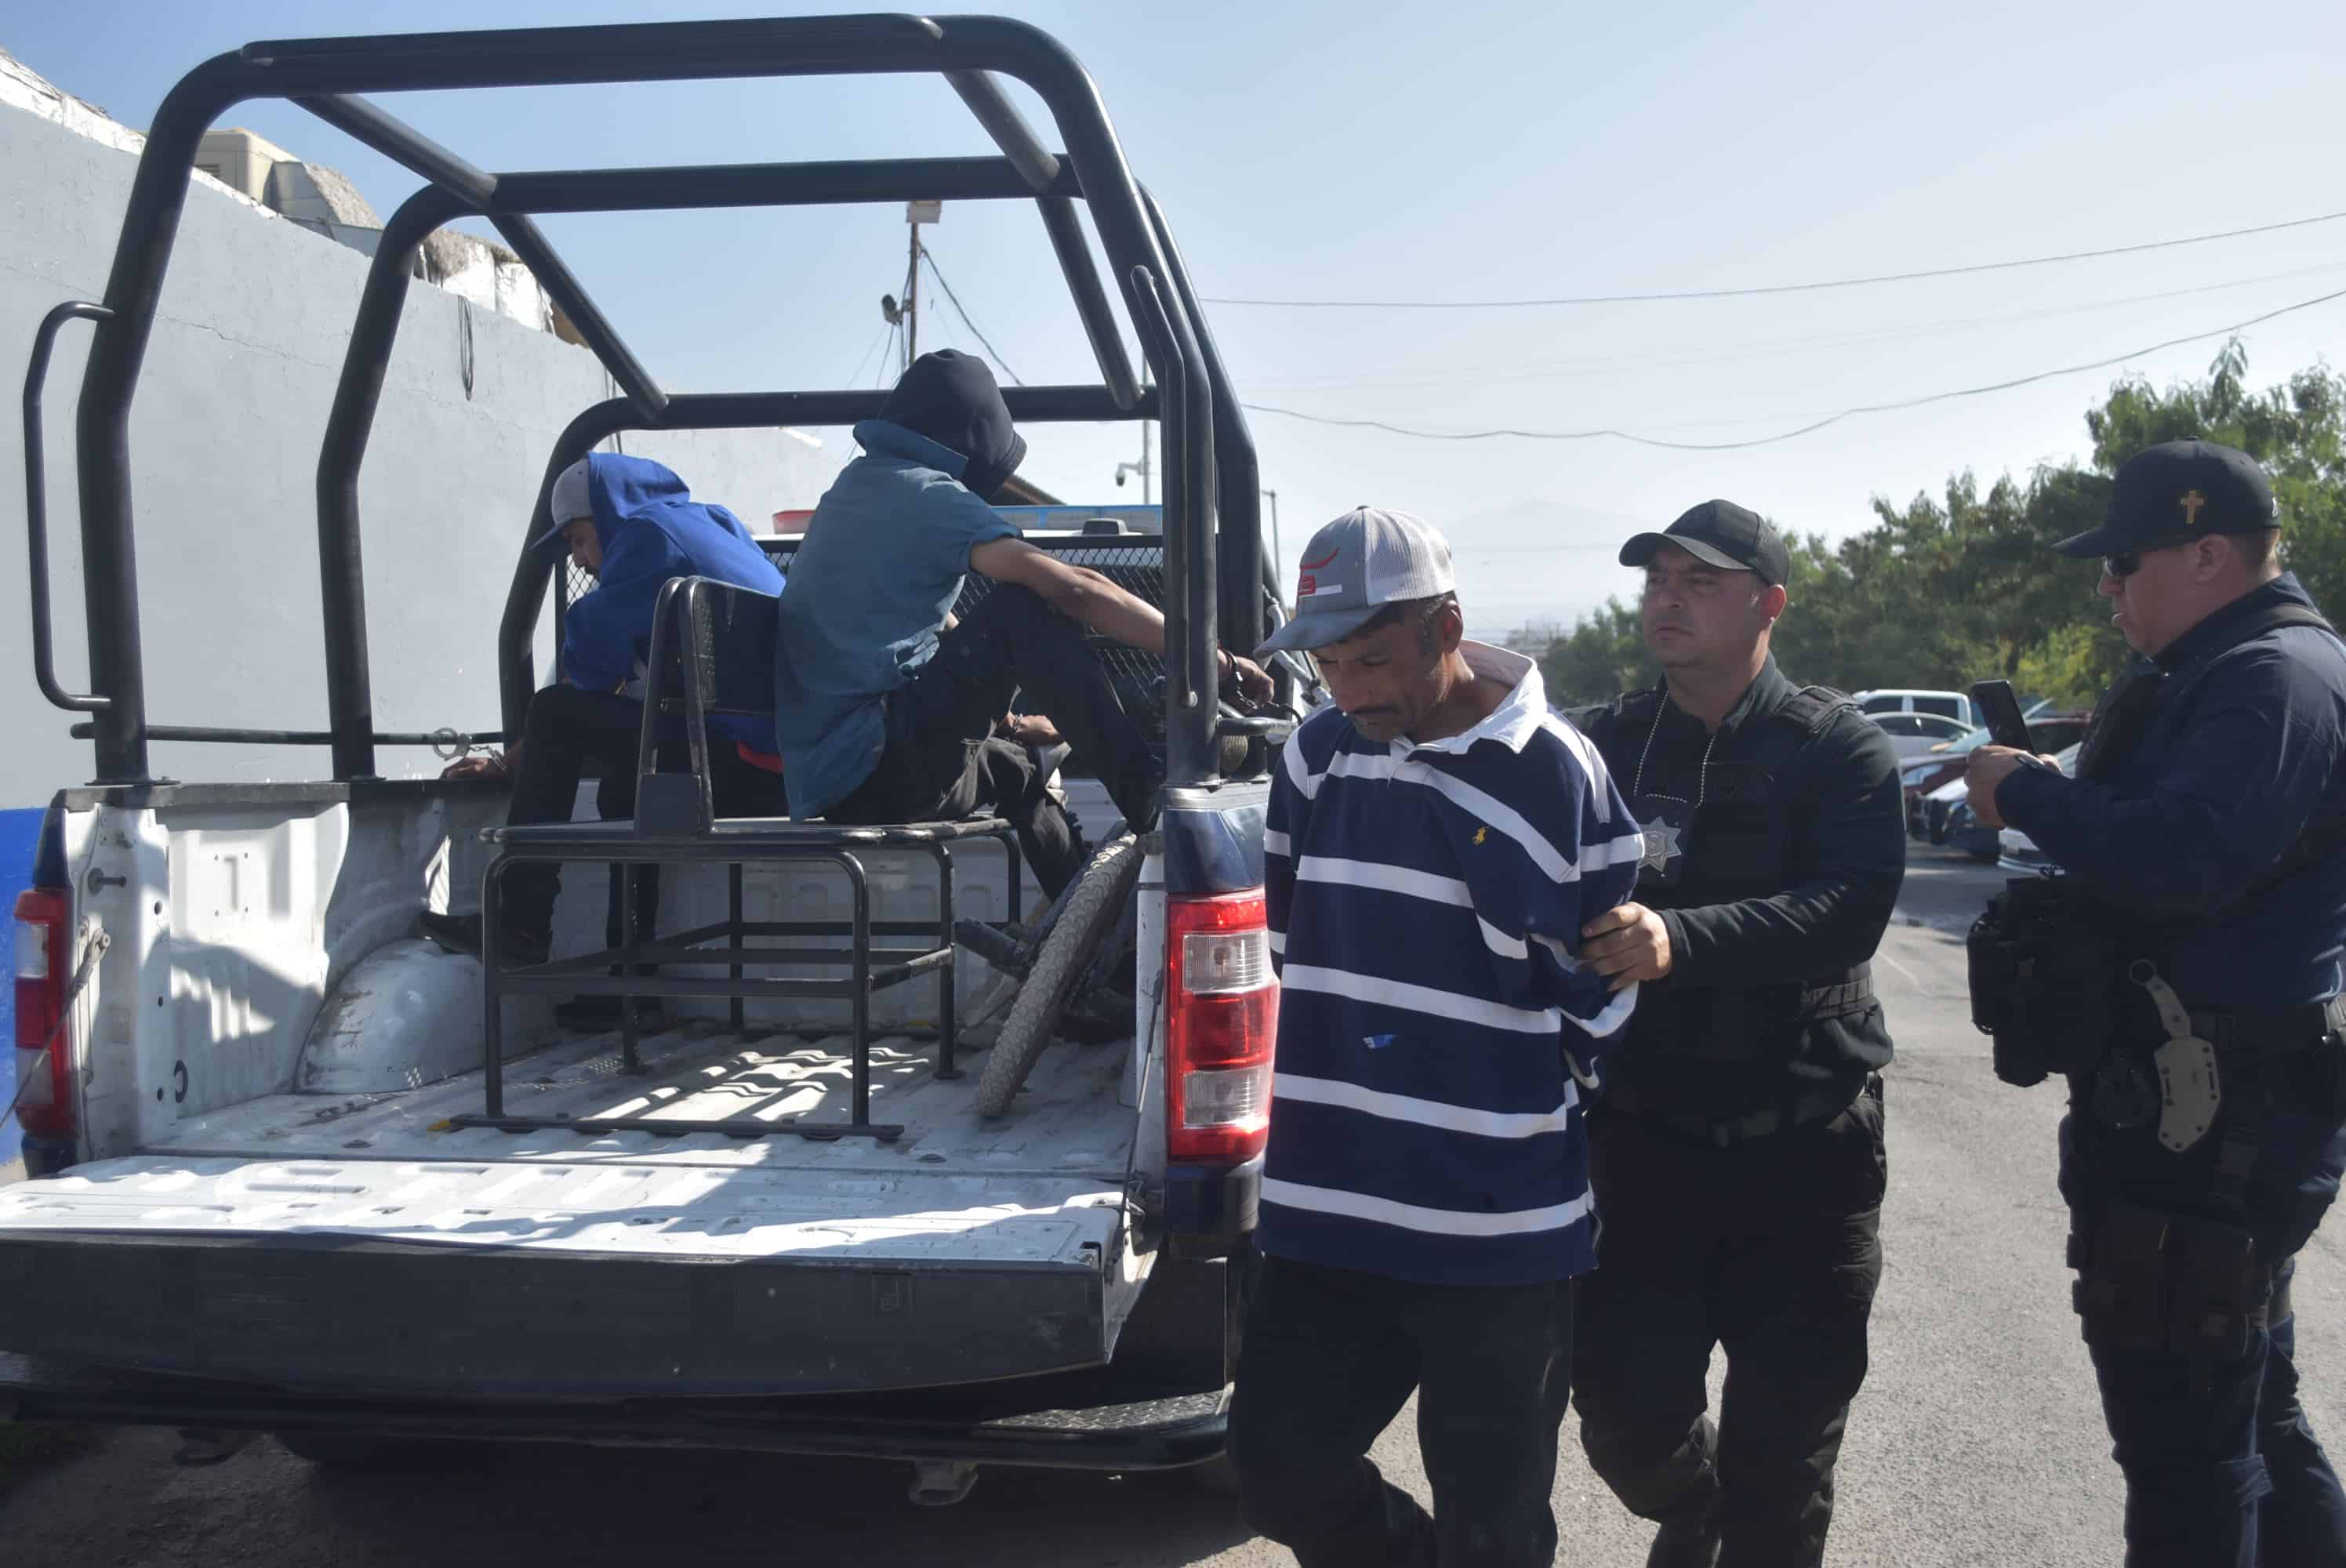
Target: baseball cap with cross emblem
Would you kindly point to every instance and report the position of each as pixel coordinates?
(1355, 567)
(2176, 490)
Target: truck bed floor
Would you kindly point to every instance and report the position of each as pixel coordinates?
(1042, 1186)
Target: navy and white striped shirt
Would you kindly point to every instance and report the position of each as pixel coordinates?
(1425, 905)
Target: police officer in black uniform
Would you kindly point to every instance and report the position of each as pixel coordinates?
(1735, 1150)
(2183, 973)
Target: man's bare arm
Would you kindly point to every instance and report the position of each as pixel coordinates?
(1086, 595)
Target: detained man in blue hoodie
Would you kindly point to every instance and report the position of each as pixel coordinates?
(631, 525)
(887, 703)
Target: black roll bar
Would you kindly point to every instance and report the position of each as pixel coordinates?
(326, 77)
(1006, 126)
(529, 242)
(341, 567)
(840, 183)
(403, 145)
(1239, 488)
(36, 504)
(1091, 299)
(1191, 668)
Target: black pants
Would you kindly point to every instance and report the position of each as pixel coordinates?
(1770, 1247)
(566, 728)
(1330, 1356)
(942, 761)
(2222, 1468)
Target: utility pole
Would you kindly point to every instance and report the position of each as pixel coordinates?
(1277, 556)
(915, 214)
(1142, 467)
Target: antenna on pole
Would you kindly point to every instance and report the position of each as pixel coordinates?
(915, 214)
(908, 314)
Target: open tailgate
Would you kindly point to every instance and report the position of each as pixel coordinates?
(600, 1278)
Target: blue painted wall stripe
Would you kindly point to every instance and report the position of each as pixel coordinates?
(20, 834)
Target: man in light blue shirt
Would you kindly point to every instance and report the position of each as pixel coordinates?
(887, 706)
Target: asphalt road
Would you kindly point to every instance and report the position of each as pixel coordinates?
(1977, 1440)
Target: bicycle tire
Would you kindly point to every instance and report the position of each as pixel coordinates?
(978, 1019)
(1092, 911)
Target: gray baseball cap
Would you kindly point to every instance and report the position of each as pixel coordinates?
(1355, 567)
(569, 501)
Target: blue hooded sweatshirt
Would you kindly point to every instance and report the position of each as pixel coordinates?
(652, 530)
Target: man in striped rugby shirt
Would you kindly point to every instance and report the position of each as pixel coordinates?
(1436, 841)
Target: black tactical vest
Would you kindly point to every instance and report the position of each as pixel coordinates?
(1740, 847)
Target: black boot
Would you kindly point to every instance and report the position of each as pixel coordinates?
(462, 934)
(1683, 1546)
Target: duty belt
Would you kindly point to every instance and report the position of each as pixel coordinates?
(2271, 1033)
(1846, 1000)
(1822, 1103)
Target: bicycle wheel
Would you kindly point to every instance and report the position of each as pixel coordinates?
(1093, 907)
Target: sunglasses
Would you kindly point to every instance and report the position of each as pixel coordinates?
(2119, 567)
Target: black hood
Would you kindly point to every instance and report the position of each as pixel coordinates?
(950, 398)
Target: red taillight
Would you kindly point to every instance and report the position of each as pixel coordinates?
(1223, 1016)
(44, 1106)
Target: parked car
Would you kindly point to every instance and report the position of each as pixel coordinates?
(1914, 733)
(1918, 779)
(1953, 705)
(2015, 850)
(1966, 835)
(1938, 809)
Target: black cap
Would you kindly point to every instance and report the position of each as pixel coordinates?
(950, 398)
(2180, 490)
(1723, 534)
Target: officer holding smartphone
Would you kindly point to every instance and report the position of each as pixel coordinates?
(2203, 848)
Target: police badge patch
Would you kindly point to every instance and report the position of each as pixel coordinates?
(1666, 821)
(1667, 824)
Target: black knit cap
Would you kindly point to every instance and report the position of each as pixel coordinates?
(951, 399)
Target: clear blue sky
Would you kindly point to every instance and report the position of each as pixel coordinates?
(1481, 148)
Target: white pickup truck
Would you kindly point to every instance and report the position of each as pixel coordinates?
(264, 1195)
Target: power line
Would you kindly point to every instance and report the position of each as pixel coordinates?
(1806, 429)
(992, 352)
(879, 339)
(1677, 294)
(1766, 348)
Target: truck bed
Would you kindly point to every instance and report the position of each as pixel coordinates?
(1067, 1123)
(304, 1238)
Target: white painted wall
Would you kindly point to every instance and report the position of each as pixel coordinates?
(224, 439)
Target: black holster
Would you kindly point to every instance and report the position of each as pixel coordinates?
(2169, 1282)
(2044, 968)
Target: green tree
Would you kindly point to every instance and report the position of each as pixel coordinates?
(1962, 587)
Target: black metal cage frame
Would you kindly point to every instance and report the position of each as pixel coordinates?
(1213, 552)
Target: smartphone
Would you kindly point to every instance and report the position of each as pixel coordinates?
(2000, 712)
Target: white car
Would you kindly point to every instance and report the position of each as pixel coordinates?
(1913, 734)
(1901, 699)
(2015, 850)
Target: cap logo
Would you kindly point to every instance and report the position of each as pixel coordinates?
(1308, 587)
(1334, 551)
(2191, 501)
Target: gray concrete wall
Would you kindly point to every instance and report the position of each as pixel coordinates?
(224, 440)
